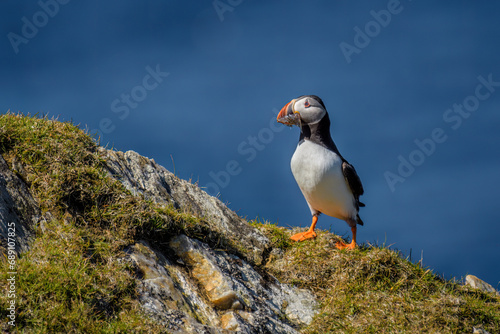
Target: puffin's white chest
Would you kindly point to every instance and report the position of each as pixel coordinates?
(318, 172)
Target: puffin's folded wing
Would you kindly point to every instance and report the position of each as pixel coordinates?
(353, 181)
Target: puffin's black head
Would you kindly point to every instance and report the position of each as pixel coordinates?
(306, 109)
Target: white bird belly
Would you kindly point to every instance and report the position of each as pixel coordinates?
(318, 172)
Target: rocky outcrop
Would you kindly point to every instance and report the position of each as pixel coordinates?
(18, 209)
(192, 288)
(210, 291)
(144, 176)
(478, 283)
(168, 294)
(187, 286)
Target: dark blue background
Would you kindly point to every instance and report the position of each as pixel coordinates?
(230, 72)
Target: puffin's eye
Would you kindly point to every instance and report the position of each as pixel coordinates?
(307, 104)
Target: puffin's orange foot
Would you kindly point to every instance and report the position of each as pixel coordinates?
(303, 236)
(343, 245)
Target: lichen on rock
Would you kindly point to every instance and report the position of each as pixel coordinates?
(210, 290)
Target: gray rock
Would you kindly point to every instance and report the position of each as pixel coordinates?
(207, 269)
(18, 209)
(169, 295)
(253, 303)
(219, 293)
(144, 176)
(477, 283)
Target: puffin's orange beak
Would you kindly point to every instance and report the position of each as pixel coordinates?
(287, 110)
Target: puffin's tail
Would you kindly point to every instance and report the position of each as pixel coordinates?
(359, 221)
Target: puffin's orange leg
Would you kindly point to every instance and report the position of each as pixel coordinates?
(352, 245)
(310, 234)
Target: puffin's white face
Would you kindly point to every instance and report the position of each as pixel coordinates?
(308, 108)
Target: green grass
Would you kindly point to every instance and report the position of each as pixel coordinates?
(72, 278)
(374, 289)
(72, 282)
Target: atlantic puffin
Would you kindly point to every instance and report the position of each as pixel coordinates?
(328, 182)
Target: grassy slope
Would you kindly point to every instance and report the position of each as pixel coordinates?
(374, 289)
(72, 280)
